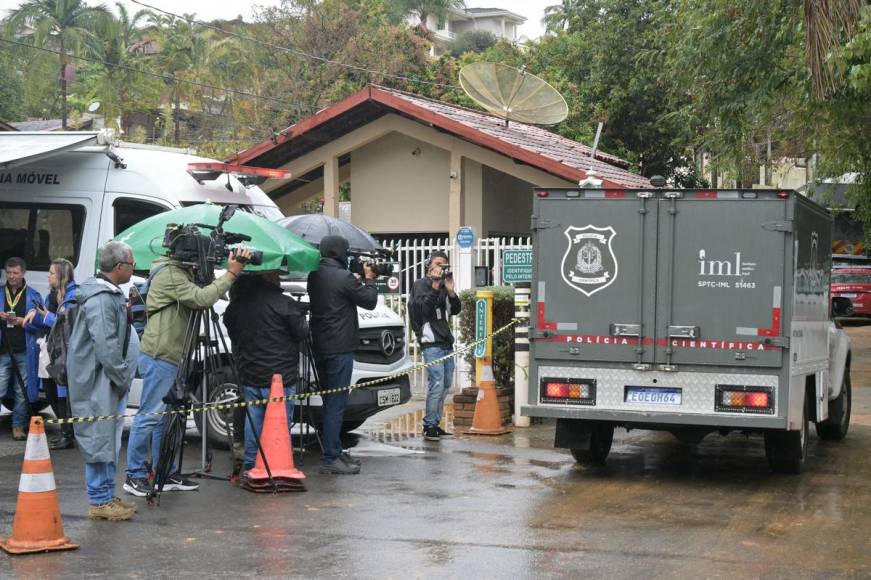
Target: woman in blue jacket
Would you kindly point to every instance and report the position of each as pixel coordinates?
(61, 295)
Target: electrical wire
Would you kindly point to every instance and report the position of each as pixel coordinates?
(294, 51)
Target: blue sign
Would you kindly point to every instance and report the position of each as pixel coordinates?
(465, 237)
(480, 327)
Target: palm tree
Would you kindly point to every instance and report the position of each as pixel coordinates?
(828, 25)
(66, 25)
(113, 46)
(425, 8)
(557, 17)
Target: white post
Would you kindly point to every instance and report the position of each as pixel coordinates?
(521, 352)
(464, 275)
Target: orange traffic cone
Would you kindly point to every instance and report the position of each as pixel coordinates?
(275, 441)
(38, 526)
(487, 420)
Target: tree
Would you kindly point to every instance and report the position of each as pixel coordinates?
(423, 9)
(64, 25)
(11, 90)
(828, 25)
(557, 17)
(471, 41)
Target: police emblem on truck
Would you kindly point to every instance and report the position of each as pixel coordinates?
(589, 264)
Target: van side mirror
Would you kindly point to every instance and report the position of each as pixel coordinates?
(841, 307)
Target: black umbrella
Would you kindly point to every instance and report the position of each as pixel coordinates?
(314, 227)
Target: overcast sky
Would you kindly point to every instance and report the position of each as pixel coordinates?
(533, 10)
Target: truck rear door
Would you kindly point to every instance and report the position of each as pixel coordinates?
(596, 272)
(720, 278)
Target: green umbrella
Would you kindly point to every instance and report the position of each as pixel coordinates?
(282, 249)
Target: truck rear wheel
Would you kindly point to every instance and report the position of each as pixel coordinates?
(836, 426)
(787, 450)
(601, 437)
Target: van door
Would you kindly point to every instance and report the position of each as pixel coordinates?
(595, 268)
(123, 210)
(721, 279)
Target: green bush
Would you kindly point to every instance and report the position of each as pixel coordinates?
(503, 344)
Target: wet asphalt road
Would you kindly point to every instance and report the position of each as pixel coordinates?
(502, 507)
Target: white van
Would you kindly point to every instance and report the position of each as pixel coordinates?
(64, 194)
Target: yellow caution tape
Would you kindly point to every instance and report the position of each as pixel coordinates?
(299, 397)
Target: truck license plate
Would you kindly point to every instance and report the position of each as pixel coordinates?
(388, 397)
(653, 395)
(849, 295)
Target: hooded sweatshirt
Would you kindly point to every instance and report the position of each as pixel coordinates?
(334, 294)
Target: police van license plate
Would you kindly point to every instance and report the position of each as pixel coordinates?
(653, 396)
(388, 397)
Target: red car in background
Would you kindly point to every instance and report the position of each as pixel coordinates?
(855, 284)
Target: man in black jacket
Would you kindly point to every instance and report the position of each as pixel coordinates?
(433, 302)
(266, 327)
(335, 293)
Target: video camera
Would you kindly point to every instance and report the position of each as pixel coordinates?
(379, 262)
(188, 244)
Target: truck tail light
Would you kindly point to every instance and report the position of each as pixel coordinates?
(568, 391)
(745, 399)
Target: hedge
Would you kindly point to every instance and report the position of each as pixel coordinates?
(503, 344)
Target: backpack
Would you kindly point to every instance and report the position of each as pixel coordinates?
(58, 341)
(136, 302)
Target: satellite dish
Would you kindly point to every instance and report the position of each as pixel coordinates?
(512, 94)
(93, 106)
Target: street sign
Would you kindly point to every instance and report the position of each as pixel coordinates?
(480, 327)
(516, 266)
(389, 284)
(465, 237)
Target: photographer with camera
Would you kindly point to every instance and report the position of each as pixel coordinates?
(433, 301)
(335, 294)
(266, 327)
(173, 295)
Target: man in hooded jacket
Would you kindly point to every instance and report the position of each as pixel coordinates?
(335, 293)
(101, 363)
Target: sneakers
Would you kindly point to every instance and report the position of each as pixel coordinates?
(176, 482)
(443, 433)
(125, 504)
(19, 434)
(112, 510)
(140, 487)
(338, 467)
(346, 457)
(431, 434)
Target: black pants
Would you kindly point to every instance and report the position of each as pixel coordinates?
(60, 405)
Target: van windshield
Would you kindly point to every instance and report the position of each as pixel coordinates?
(40, 233)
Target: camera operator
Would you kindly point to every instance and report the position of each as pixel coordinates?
(172, 296)
(433, 302)
(335, 293)
(266, 327)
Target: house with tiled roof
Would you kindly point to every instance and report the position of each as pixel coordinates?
(415, 165)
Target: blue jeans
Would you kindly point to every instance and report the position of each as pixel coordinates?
(334, 371)
(100, 477)
(10, 388)
(157, 378)
(258, 412)
(439, 379)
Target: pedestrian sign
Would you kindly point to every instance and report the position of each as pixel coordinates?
(516, 266)
(480, 327)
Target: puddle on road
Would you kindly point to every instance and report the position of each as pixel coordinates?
(408, 426)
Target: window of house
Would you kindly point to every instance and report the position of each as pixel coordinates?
(129, 212)
(40, 233)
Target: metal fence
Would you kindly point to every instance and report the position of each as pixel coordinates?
(411, 255)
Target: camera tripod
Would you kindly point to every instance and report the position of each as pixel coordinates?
(201, 365)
